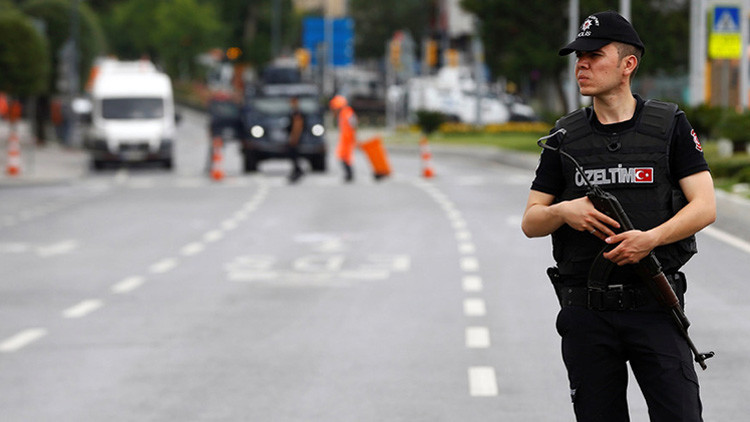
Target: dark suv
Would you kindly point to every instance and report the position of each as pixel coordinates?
(265, 119)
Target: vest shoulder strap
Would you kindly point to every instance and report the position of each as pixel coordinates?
(576, 123)
(657, 118)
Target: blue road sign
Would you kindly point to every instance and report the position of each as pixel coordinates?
(726, 20)
(314, 35)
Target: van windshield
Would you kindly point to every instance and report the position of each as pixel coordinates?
(132, 108)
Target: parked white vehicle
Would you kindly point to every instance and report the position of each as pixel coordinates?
(452, 91)
(132, 114)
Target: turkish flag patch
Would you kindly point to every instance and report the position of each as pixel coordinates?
(644, 175)
(698, 145)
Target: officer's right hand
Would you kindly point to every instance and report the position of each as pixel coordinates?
(581, 215)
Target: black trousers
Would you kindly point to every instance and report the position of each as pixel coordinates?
(596, 345)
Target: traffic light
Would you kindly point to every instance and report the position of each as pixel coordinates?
(395, 47)
(233, 53)
(431, 53)
(452, 57)
(303, 57)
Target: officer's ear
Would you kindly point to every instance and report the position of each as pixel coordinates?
(629, 64)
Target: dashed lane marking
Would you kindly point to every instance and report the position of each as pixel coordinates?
(192, 248)
(128, 285)
(477, 337)
(482, 381)
(466, 248)
(469, 263)
(22, 339)
(463, 235)
(472, 283)
(59, 248)
(83, 308)
(213, 236)
(474, 307)
(163, 266)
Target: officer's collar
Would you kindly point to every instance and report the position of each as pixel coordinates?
(619, 126)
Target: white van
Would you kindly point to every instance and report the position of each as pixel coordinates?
(132, 114)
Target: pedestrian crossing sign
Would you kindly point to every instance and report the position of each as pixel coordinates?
(726, 20)
(725, 41)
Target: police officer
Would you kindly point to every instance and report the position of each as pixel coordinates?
(647, 154)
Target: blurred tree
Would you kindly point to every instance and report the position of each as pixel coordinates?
(249, 25)
(56, 17)
(24, 58)
(521, 43)
(186, 29)
(130, 28)
(376, 21)
(170, 32)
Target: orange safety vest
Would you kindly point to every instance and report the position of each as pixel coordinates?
(347, 135)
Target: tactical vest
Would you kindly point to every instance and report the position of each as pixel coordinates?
(632, 165)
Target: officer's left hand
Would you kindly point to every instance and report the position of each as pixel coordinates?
(633, 245)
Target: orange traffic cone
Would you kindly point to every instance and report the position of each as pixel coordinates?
(216, 171)
(14, 155)
(424, 148)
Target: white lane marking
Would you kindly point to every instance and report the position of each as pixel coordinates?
(482, 381)
(128, 285)
(728, 238)
(229, 225)
(454, 214)
(466, 248)
(477, 337)
(459, 224)
(469, 263)
(364, 274)
(192, 248)
(319, 263)
(472, 283)
(22, 339)
(474, 307)
(58, 248)
(463, 235)
(213, 236)
(83, 308)
(161, 267)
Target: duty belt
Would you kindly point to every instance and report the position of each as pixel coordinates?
(616, 297)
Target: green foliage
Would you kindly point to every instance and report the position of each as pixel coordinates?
(249, 25)
(735, 127)
(430, 121)
(521, 43)
(706, 119)
(186, 28)
(24, 60)
(376, 21)
(171, 32)
(56, 16)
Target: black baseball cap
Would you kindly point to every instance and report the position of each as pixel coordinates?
(601, 29)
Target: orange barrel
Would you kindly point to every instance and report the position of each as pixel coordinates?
(378, 156)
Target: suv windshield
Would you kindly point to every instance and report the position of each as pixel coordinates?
(279, 106)
(132, 108)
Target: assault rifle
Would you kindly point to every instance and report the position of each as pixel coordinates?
(649, 268)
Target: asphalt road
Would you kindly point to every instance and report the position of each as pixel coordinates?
(140, 294)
